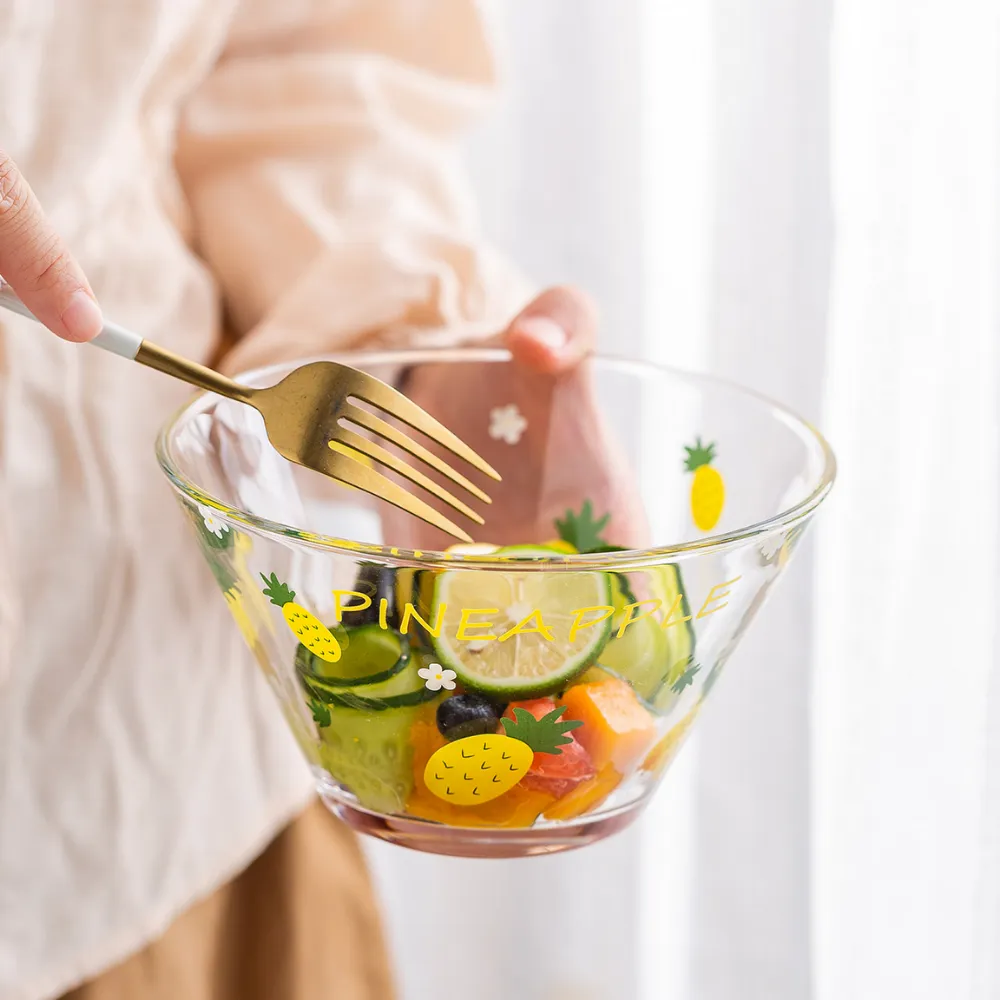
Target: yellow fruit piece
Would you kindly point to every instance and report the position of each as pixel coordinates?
(476, 769)
(664, 752)
(311, 632)
(586, 796)
(518, 809)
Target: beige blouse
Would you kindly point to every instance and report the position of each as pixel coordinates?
(292, 166)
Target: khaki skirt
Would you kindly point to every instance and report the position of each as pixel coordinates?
(301, 923)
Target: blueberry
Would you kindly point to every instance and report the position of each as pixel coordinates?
(466, 715)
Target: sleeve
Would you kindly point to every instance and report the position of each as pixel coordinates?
(321, 161)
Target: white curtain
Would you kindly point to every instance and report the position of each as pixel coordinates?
(802, 195)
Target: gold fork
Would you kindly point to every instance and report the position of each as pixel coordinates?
(307, 416)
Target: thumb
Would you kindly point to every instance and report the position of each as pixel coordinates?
(554, 332)
(36, 264)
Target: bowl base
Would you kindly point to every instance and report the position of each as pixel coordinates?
(475, 842)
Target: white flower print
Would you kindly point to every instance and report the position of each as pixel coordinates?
(507, 424)
(437, 677)
(213, 522)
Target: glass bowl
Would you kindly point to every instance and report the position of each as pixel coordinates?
(525, 694)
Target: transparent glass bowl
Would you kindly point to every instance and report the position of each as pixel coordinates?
(523, 699)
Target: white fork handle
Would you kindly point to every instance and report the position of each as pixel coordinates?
(112, 337)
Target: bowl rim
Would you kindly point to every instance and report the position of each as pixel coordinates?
(559, 561)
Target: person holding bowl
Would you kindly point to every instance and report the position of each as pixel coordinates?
(243, 181)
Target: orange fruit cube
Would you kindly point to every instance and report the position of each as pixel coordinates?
(617, 729)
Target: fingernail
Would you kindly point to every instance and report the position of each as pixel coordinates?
(82, 317)
(546, 331)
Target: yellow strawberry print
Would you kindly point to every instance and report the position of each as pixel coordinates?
(476, 769)
(708, 491)
(308, 629)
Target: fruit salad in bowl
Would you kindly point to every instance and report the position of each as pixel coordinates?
(505, 699)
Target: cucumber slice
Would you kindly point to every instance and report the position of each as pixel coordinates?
(648, 656)
(668, 586)
(403, 689)
(416, 587)
(369, 655)
(371, 754)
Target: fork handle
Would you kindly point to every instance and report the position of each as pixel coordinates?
(113, 338)
(126, 344)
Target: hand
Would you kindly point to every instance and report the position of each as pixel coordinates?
(36, 264)
(565, 455)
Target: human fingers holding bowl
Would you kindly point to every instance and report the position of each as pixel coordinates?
(537, 421)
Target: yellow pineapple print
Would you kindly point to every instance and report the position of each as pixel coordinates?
(708, 491)
(243, 621)
(476, 769)
(308, 629)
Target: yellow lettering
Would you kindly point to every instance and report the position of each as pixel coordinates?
(716, 594)
(409, 611)
(339, 607)
(674, 608)
(579, 624)
(631, 618)
(383, 607)
(540, 628)
(462, 633)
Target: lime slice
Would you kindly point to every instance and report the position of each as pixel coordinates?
(520, 660)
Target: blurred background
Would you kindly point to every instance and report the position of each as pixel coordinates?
(802, 196)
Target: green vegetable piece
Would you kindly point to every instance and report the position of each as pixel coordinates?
(544, 735)
(582, 531)
(321, 713)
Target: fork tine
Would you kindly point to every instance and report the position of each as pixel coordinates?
(385, 430)
(379, 454)
(371, 390)
(351, 472)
